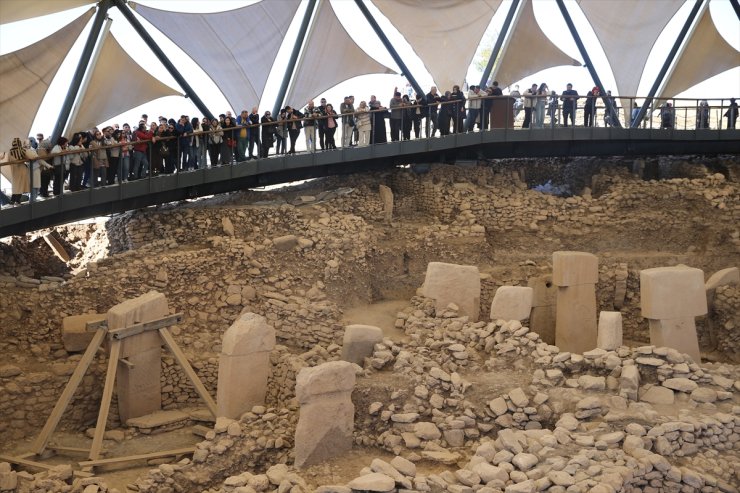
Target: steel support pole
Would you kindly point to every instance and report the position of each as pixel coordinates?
(499, 42)
(388, 46)
(587, 60)
(152, 45)
(290, 68)
(86, 81)
(736, 6)
(74, 86)
(668, 61)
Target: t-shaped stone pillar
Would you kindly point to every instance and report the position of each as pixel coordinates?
(244, 365)
(575, 274)
(138, 383)
(327, 415)
(452, 283)
(670, 298)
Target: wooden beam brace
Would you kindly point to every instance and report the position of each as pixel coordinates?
(110, 378)
(129, 458)
(118, 334)
(29, 464)
(185, 365)
(56, 414)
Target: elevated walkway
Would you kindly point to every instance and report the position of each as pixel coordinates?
(500, 143)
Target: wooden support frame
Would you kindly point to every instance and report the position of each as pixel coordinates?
(56, 414)
(130, 458)
(116, 337)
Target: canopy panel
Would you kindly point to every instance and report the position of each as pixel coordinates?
(19, 10)
(236, 48)
(117, 84)
(528, 50)
(25, 76)
(644, 21)
(329, 57)
(705, 55)
(445, 34)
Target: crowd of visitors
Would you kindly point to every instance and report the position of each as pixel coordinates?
(116, 154)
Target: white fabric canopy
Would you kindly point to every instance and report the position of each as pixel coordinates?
(528, 50)
(329, 57)
(117, 84)
(25, 76)
(444, 33)
(236, 48)
(629, 37)
(18, 10)
(705, 55)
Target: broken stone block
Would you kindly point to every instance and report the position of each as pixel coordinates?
(672, 292)
(285, 243)
(656, 394)
(75, 336)
(574, 268)
(544, 298)
(138, 383)
(244, 365)
(359, 341)
(512, 303)
(610, 330)
(227, 226)
(326, 419)
(452, 283)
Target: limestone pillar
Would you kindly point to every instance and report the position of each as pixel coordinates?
(542, 318)
(359, 341)
(512, 303)
(670, 298)
(244, 365)
(326, 418)
(138, 382)
(452, 283)
(610, 330)
(386, 195)
(575, 274)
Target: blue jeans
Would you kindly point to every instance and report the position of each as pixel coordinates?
(123, 168)
(185, 158)
(472, 116)
(141, 164)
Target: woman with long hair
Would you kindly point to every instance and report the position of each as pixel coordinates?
(331, 127)
(215, 139)
(229, 141)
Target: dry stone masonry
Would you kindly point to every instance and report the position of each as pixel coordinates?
(443, 394)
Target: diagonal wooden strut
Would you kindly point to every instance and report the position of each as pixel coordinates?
(183, 362)
(110, 379)
(56, 414)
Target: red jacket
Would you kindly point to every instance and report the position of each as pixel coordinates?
(139, 135)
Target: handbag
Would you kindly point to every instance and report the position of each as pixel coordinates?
(164, 150)
(231, 142)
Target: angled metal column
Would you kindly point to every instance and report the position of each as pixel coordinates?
(290, 68)
(668, 61)
(736, 6)
(86, 81)
(152, 45)
(499, 42)
(79, 74)
(388, 46)
(587, 59)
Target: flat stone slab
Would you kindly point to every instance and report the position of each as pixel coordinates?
(155, 420)
(672, 292)
(512, 303)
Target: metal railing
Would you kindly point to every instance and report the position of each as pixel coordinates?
(359, 128)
